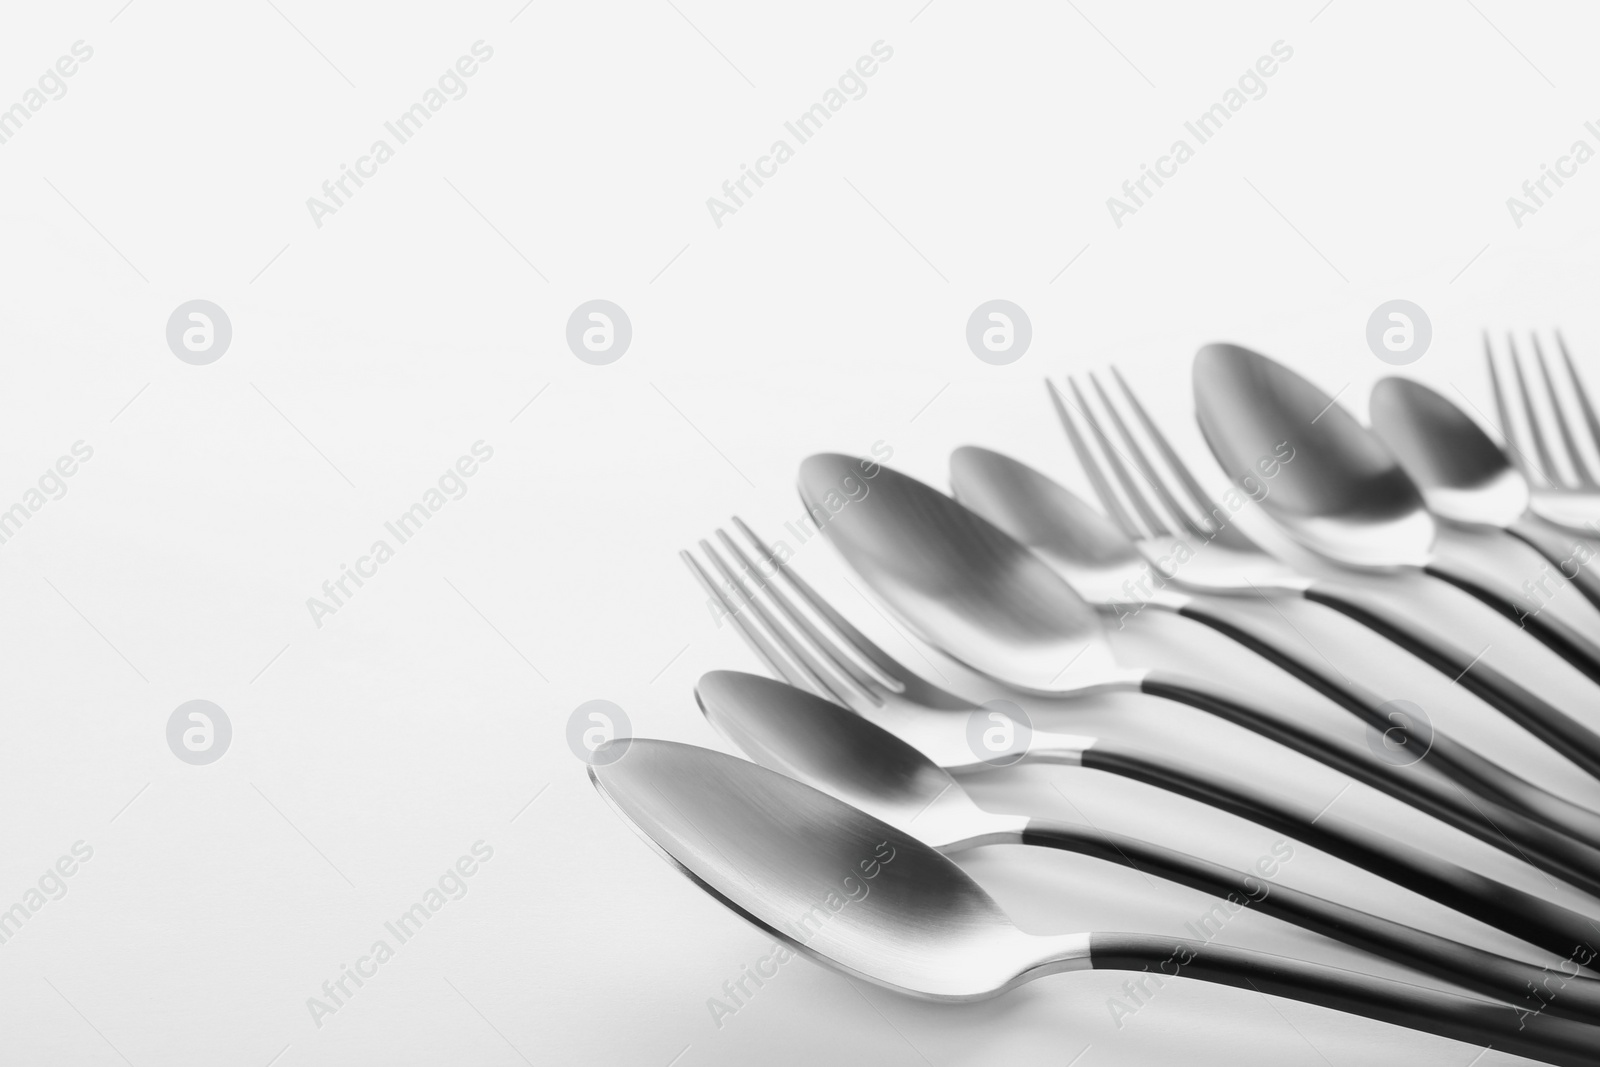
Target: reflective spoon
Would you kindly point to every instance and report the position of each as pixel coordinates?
(1107, 568)
(973, 591)
(869, 900)
(1466, 479)
(1347, 498)
(956, 734)
(837, 751)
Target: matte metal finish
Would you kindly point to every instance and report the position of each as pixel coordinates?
(867, 899)
(1096, 556)
(832, 748)
(1345, 495)
(964, 585)
(843, 887)
(1463, 474)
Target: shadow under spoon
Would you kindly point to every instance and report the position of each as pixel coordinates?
(837, 751)
(869, 900)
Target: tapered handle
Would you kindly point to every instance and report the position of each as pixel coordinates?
(1529, 710)
(1578, 997)
(1478, 1022)
(1455, 760)
(1574, 557)
(1489, 821)
(1554, 633)
(1532, 918)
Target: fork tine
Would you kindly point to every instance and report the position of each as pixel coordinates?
(1534, 430)
(1157, 525)
(1091, 468)
(891, 674)
(809, 667)
(752, 636)
(1502, 410)
(829, 650)
(1140, 460)
(1582, 394)
(1186, 479)
(1579, 468)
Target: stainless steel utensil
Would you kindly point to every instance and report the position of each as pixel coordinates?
(826, 746)
(1347, 498)
(1112, 570)
(971, 590)
(1570, 499)
(872, 901)
(812, 646)
(1466, 479)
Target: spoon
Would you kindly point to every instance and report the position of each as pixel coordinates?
(1347, 498)
(1466, 479)
(1105, 565)
(873, 902)
(970, 589)
(941, 725)
(826, 746)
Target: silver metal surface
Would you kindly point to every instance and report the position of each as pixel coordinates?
(1176, 518)
(1462, 473)
(809, 644)
(963, 584)
(830, 747)
(1563, 491)
(846, 889)
(1345, 495)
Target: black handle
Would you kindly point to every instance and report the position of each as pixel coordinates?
(1569, 993)
(1560, 930)
(1455, 760)
(1559, 636)
(1529, 710)
(1571, 553)
(1490, 822)
(1483, 1023)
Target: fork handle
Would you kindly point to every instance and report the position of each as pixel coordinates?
(1454, 759)
(1474, 968)
(1552, 927)
(1561, 637)
(1452, 1015)
(1567, 550)
(1527, 709)
(1486, 819)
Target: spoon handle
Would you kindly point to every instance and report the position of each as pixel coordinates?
(1507, 829)
(1527, 709)
(1485, 1023)
(1456, 760)
(1532, 918)
(1572, 553)
(1511, 980)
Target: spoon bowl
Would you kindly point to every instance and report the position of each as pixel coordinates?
(1083, 545)
(872, 901)
(963, 584)
(837, 884)
(1462, 473)
(831, 747)
(1345, 495)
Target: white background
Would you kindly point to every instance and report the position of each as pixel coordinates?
(828, 313)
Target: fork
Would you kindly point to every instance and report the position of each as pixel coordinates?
(820, 651)
(1223, 559)
(1571, 499)
(1107, 567)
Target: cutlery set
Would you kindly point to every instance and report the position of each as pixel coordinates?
(835, 835)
